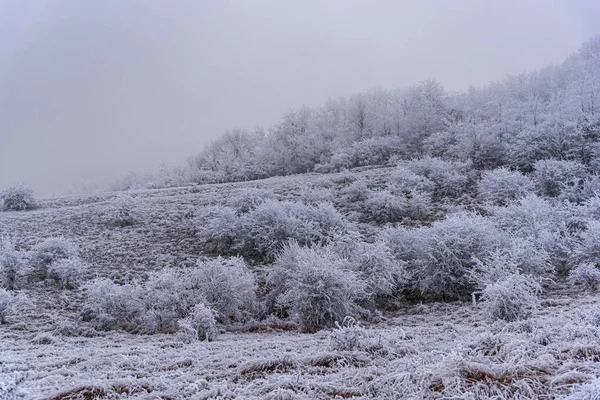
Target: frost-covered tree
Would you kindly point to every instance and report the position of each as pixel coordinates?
(200, 323)
(17, 198)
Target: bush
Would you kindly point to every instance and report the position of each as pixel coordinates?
(586, 275)
(385, 207)
(8, 302)
(66, 272)
(450, 178)
(169, 296)
(200, 323)
(250, 199)
(228, 288)
(501, 186)
(511, 299)
(374, 263)
(554, 178)
(316, 286)
(112, 306)
(439, 258)
(588, 249)
(262, 232)
(357, 191)
(52, 250)
(17, 198)
(124, 211)
(10, 264)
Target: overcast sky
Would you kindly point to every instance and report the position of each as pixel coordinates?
(92, 89)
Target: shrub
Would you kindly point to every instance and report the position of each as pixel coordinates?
(228, 288)
(511, 299)
(450, 178)
(112, 306)
(316, 286)
(169, 296)
(383, 206)
(10, 264)
(262, 232)
(66, 272)
(17, 198)
(250, 199)
(440, 257)
(124, 211)
(501, 186)
(374, 263)
(8, 302)
(555, 178)
(586, 275)
(201, 323)
(51, 250)
(588, 250)
(357, 191)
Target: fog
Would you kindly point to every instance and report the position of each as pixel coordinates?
(90, 90)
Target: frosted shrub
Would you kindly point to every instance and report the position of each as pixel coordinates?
(228, 287)
(17, 198)
(67, 272)
(10, 264)
(112, 306)
(316, 286)
(8, 302)
(250, 199)
(52, 250)
(586, 275)
(201, 323)
(374, 263)
(404, 180)
(450, 178)
(272, 224)
(384, 206)
(588, 250)
(501, 186)
(511, 299)
(440, 257)
(555, 178)
(357, 191)
(124, 211)
(315, 195)
(219, 229)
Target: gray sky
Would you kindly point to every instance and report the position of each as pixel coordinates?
(90, 90)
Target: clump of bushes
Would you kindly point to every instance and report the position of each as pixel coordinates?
(262, 232)
(172, 299)
(439, 258)
(200, 324)
(17, 198)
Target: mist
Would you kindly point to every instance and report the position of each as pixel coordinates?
(92, 90)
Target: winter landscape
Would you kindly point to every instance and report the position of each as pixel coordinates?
(413, 243)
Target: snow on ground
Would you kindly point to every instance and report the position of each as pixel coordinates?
(437, 350)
